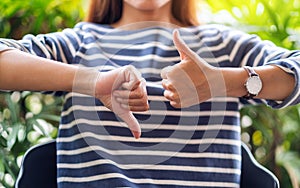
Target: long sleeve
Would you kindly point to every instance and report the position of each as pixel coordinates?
(59, 46)
(244, 49)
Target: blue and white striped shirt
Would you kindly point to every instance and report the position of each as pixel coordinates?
(193, 147)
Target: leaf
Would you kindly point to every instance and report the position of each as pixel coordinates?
(12, 137)
(3, 142)
(21, 133)
(43, 127)
(2, 170)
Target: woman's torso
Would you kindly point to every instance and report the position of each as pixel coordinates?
(194, 147)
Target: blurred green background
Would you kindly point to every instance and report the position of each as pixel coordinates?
(28, 118)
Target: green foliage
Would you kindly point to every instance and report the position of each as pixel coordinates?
(37, 16)
(273, 135)
(28, 118)
(265, 18)
(25, 119)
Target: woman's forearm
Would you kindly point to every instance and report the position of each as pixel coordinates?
(277, 84)
(22, 71)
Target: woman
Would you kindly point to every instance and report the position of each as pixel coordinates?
(195, 146)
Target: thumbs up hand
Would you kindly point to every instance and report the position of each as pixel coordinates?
(192, 80)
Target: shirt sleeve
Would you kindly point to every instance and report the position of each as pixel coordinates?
(291, 66)
(245, 49)
(59, 46)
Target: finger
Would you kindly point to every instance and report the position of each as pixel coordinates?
(171, 96)
(125, 94)
(132, 124)
(135, 108)
(175, 104)
(167, 85)
(132, 102)
(139, 108)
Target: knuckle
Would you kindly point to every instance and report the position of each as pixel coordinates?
(176, 105)
(140, 95)
(174, 96)
(129, 67)
(146, 107)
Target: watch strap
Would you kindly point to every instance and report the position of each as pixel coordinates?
(250, 71)
(248, 96)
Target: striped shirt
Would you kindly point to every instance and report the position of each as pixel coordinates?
(192, 147)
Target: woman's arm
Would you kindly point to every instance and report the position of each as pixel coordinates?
(193, 81)
(22, 71)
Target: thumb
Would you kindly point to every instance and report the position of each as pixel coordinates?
(132, 123)
(181, 46)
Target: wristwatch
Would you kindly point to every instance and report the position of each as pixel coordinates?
(253, 84)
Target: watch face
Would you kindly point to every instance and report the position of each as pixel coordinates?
(254, 85)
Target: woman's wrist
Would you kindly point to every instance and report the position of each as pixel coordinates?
(234, 79)
(85, 81)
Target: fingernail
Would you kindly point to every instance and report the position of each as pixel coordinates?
(136, 134)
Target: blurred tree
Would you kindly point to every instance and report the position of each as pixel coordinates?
(28, 118)
(18, 18)
(273, 135)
